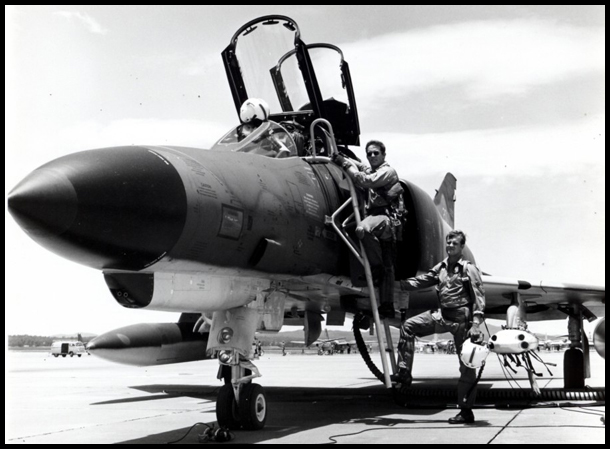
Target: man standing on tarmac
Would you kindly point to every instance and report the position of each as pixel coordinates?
(377, 231)
(462, 305)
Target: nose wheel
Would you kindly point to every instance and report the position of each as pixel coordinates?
(241, 404)
(249, 412)
(227, 411)
(252, 407)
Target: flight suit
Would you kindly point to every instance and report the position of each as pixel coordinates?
(375, 230)
(461, 296)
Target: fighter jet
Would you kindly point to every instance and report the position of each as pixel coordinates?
(258, 231)
(329, 346)
(556, 344)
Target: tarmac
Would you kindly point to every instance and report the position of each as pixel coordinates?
(311, 399)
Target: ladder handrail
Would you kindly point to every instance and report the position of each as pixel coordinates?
(343, 236)
(331, 140)
(362, 257)
(371, 286)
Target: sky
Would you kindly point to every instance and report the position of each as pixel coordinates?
(510, 99)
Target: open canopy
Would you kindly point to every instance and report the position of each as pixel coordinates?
(267, 59)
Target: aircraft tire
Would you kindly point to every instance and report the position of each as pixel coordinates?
(63, 355)
(227, 411)
(55, 355)
(253, 407)
(79, 355)
(574, 368)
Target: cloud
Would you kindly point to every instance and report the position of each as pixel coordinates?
(490, 59)
(92, 134)
(203, 65)
(519, 151)
(89, 22)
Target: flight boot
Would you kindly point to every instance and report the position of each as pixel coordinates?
(464, 417)
(386, 310)
(386, 294)
(402, 377)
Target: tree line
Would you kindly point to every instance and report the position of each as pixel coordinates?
(28, 340)
(20, 341)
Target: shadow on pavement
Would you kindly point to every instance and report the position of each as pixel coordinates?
(294, 410)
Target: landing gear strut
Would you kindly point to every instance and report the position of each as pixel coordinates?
(241, 404)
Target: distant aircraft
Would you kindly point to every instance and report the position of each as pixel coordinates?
(445, 346)
(257, 232)
(558, 344)
(329, 345)
(326, 347)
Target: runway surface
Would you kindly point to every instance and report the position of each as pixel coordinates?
(311, 399)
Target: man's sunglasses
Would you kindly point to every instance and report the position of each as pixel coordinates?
(373, 153)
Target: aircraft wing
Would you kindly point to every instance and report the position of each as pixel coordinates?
(543, 299)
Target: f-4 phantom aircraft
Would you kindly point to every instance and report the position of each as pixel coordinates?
(258, 231)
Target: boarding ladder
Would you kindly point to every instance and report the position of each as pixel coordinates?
(361, 256)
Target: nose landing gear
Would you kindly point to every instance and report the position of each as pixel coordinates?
(241, 404)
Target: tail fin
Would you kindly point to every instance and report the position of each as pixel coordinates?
(445, 198)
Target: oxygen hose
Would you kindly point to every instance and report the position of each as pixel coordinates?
(363, 349)
(485, 395)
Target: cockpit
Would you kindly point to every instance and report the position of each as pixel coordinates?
(267, 139)
(267, 59)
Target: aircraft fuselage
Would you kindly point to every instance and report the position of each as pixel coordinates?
(188, 229)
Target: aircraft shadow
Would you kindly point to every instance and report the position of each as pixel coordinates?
(297, 409)
(138, 399)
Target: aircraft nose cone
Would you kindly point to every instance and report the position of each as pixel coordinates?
(109, 341)
(112, 346)
(121, 208)
(44, 203)
(137, 344)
